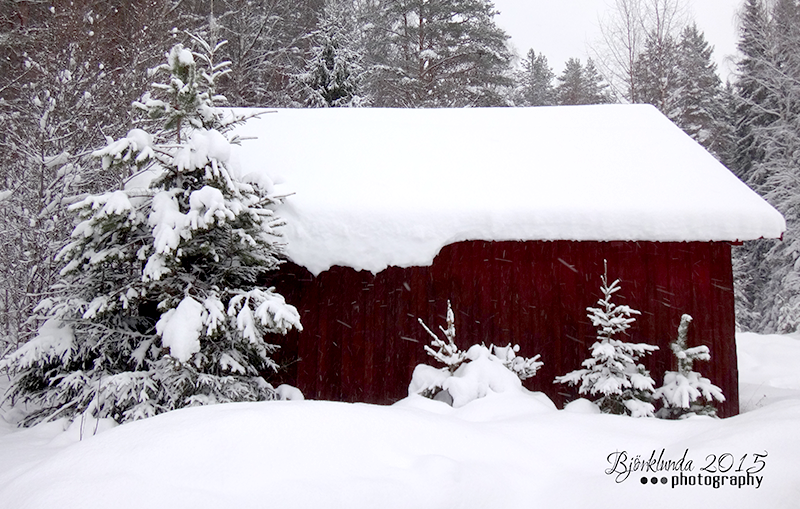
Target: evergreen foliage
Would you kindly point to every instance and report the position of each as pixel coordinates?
(68, 75)
(683, 389)
(159, 304)
(535, 81)
(699, 108)
(579, 84)
(752, 91)
(334, 69)
(767, 141)
(437, 53)
(446, 350)
(612, 374)
(570, 88)
(635, 28)
(597, 90)
(659, 60)
(468, 374)
(656, 73)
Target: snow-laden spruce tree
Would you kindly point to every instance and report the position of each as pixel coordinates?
(470, 374)
(699, 109)
(334, 68)
(767, 156)
(685, 392)
(159, 304)
(612, 374)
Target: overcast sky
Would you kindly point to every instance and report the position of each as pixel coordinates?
(565, 28)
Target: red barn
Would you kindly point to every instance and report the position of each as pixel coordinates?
(510, 214)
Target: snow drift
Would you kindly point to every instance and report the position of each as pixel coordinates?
(508, 450)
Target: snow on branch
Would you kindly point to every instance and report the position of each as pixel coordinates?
(160, 304)
(447, 352)
(612, 374)
(683, 390)
(469, 374)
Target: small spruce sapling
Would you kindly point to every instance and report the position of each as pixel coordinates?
(612, 373)
(447, 352)
(683, 389)
(469, 374)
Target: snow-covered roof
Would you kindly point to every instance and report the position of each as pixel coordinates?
(380, 187)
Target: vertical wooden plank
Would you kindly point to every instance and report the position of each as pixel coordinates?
(470, 331)
(373, 334)
(393, 347)
(320, 352)
(647, 302)
(723, 368)
(310, 340)
(514, 319)
(414, 351)
(346, 326)
(558, 308)
(336, 309)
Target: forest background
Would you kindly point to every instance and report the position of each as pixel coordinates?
(69, 71)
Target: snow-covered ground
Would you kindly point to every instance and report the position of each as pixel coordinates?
(508, 450)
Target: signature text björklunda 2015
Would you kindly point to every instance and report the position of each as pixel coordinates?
(714, 470)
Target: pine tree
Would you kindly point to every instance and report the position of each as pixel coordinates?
(612, 374)
(776, 176)
(570, 88)
(683, 389)
(768, 142)
(535, 81)
(752, 112)
(749, 115)
(699, 108)
(656, 73)
(334, 69)
(159, 306)
(581, 85)
(726, 141)
(447, 351)
(597, 90)
(437, 53)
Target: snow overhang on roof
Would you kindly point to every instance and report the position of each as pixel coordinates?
(380, 187)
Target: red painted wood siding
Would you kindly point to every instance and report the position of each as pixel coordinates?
(361, 339)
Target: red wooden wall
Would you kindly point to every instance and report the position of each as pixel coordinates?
(361, 339)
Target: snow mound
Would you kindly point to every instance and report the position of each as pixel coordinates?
(582, 406)
(355, 456)
(481, 372)
(479, 377)
(286, 392)
(767, 369)
(390, 187)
